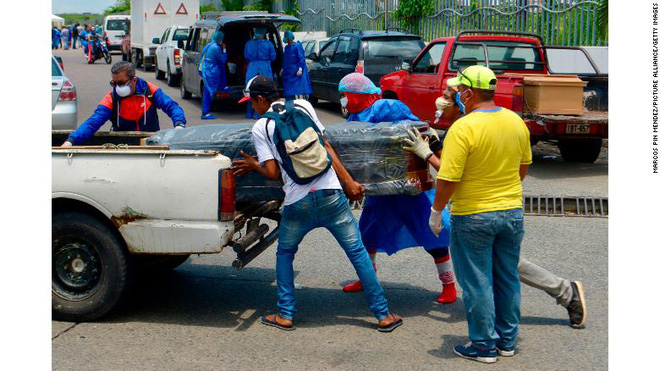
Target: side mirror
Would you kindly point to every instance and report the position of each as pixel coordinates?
(180, 44)
(405, 66)
(155, 40)
(313, 56)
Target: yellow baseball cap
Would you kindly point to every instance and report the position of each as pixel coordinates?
(477, 77)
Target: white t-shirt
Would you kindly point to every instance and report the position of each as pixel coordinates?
(266, 151)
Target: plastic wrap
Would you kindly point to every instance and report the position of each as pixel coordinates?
(372, 154)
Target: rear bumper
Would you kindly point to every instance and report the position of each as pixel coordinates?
(114, 47)
(556, 127)
(65, 116)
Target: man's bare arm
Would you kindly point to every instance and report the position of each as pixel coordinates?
(523, 171)
(443, 192)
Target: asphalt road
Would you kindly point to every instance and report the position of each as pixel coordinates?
(204, 315)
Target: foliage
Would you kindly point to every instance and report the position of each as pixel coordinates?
(122, 6)
(261, 5)
(601, 20)
(232, 5)
(82, 18)
(207, 8)
(293, 10)
(410, 12)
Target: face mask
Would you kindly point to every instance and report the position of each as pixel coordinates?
(441, 103)
(344, 101)
(123, 91)
(461, 106)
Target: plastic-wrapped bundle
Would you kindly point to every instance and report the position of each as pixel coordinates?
(372, 153)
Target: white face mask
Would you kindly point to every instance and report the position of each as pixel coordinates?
(343, 101)
(441, 103)
(123, 91)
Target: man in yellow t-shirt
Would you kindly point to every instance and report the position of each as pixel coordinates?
(485, 158)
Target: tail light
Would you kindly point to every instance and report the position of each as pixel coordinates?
(518, 98)
(68, 92)
(177, 57)
(360, 66)
(227, 207)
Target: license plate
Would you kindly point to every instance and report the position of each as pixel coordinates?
(577, 128)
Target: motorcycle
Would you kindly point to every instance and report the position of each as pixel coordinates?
(99, 50)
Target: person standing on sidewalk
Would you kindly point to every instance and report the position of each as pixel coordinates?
(485, 158)
(318, 203)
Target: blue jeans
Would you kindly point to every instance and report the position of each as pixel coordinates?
(329, 209)
(485, 248)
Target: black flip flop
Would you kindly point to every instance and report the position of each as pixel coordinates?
(391, 326)
(264, 320)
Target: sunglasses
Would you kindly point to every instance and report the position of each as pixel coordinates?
(120, 84)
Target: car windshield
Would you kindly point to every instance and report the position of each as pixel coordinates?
(180, 34)
(391, 47)
(56, 68)
(509, 55)
(116, 25)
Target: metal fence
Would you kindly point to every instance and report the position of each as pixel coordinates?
(560, 22)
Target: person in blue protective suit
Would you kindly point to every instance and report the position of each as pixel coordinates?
(393, 223)
(56, 37)
(211, 68)
(259, 53)
(295, 76)
(131, 106)
(84, 36)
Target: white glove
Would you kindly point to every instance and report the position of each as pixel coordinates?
(417, 145)
(435, 221)
(67, 144)
(299, 73)
(433, 133)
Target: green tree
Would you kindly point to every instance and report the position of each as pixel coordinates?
(601, 20)
(410, 12)
(122, 6)
(232, 5)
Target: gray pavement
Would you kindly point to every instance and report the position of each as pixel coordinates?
(204, 315)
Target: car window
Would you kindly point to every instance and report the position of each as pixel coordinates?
(309, 48)
(56, 68)
(180, 34)
(164, 37)
(347, 51)
(116, 24)
(190, 45)
(428, 62)
(329, 49)
(322, 44)
(507, 54)
(201, 41)
(406, 49)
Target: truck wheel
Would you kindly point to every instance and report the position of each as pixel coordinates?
(184, 93)
(159, 263)
(172, 80)
(580, 150)
(92, 271)
(160, 75)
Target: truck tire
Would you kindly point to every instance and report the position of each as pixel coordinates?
(136, 58)
(159, 263)
(185, 94)
(580, 150)
(172, 80)
(160, 75)
(92, 270)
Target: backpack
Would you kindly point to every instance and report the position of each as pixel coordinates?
(299, 143)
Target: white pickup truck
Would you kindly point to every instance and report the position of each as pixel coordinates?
(119, 209)
(169, 54)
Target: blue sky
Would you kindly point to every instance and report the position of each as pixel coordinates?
(80, 6)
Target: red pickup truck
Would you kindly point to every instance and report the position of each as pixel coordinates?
(511, 55)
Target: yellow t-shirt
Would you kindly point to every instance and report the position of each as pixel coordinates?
(483, 151)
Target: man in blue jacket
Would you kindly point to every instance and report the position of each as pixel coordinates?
(130, 106)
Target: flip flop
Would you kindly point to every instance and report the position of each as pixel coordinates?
(396, 323)
(266, 320)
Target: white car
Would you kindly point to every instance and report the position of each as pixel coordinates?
(169, 55)
(115, 27)
(64, 99)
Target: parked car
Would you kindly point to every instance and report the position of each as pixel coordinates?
(313, 46)
(516, 58)
(374, 53)
(115, 27)
(238, 28)
(169, 54)
(64, 100)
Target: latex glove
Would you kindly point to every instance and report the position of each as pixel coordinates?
(67, 144)
(299, 73)
(417, 145)
(435, 221)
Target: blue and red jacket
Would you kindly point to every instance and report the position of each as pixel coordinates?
(136, 112)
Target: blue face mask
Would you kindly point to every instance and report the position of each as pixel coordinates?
(461, 106)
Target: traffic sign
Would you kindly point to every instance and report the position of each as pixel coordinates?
(182, 9)
(160, 9)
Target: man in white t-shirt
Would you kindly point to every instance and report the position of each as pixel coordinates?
(321, 203)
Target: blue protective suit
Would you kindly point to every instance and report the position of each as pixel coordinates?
(56, 34)
(384, 110)
(293, 59)
(213, 73)
(83, 40)
(259, 53)
(393, 223)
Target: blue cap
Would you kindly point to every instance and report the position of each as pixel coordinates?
(259, 32)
